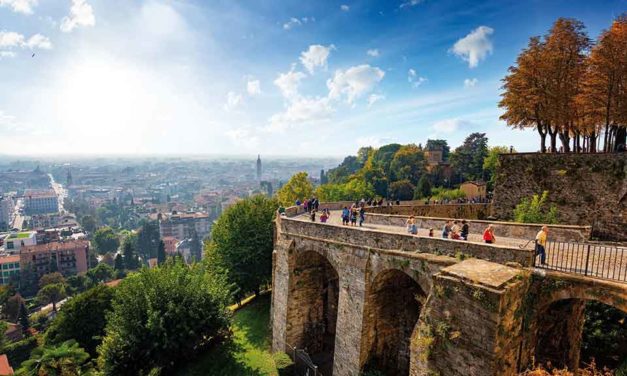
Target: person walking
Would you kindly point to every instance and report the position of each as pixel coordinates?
(354, 216)
(488, 235)
(541, 244)
(362, 216)
(465, 229)
(345, 216)
(411, 225)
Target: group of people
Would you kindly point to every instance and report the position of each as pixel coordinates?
(309, 204)
(473, 200)
(349, 216)
(457, 230)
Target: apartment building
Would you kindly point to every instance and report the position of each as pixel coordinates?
(182, 225)
(6, 212)
(15, 241)
(68, 257)
(40, 202)
(9, 268)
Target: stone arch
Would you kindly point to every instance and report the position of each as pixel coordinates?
(393, 303)
(555, 329)
(312, 306)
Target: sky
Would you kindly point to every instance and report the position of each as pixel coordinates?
(297, 78)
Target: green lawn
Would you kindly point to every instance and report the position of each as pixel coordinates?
(248, 353)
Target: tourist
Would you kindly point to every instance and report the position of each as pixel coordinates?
(446, 230)
(316, 203)
(488, 235)
(306, 205)
(465, 229)
(541, 244)
(411, 225)
(281, 210)
(455, 231)
(345, 216)
(313, 215)
(362, 216)
(431, 232)
(354, 216)
(324, 216)
(298, 202)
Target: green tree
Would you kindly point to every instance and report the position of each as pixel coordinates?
(355, 189)
(433, 145)
(161, 252)
(242, 242)
(467, 160)
(23, 317)
(51, 294)
(491, 163)
(129, 252)
(148, 240)
(11, 309)
(82, 318)
(402, 190)
(536, 210)
(3, 338)
(106, 240)
(162, 317)
(408, 164)
(423, 189)
(77, 284)
(89, 223)
(196, 246)
(65, 359)
(101, 273)
(297, 188)
(119, 262)
(341, 173)
(51, 278)
(382, 157)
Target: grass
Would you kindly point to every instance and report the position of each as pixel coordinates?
(247, 353)
(20, 235)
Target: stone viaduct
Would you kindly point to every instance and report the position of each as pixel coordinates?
(359, 299)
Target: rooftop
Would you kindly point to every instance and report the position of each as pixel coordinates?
(55, 246)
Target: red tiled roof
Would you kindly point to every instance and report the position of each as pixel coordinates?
(5, 367)
(55, 246)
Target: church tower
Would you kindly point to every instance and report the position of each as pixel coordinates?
(258, 167)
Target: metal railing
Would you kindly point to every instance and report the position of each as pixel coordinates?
(588, 259)
(303, 365)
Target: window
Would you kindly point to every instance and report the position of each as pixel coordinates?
(10, 245)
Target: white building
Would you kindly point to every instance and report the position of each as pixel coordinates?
(15, 241)
(6, 212)
(40, 202)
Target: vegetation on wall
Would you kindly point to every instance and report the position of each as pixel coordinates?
(536, 210)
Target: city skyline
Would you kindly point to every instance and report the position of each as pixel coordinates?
(86, 77)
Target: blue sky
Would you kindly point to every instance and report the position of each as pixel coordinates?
(304, 78)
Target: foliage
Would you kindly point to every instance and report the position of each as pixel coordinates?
(118, 263)
(65, 359)
(28, 281)
(11, 308)
(22, 317)
(89, 223)
(161, 252)
(129, 253)
(101, 273)
(51, 278)
(105, 240)
(408, 164)
(195, 246)
(51, 294)
(77, 284)
(3, 329)
(536, 210)
(439, 145)
(83, 319)
(604, 335)
(161, 317)
(402, 190)
(148, 240)
(467, 159)
(242, 242)
(491, 163)
(589, 370)
(297, 188)
(447, 194)
(20, 351)
(348, 167)
(423, 189)
(352, 190)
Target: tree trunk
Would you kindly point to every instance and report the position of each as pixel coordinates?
(592, 142)
(54, 306)
(565, 138)
(553, 135)
(620, 138)
(542, 133)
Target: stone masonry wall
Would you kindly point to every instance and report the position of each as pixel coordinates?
(468, 211)
(588, 189)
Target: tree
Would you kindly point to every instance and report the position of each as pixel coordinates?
(28, 281)
(77, 284)
(433, 145)
(89, 223)
(106, 240)
(195, 246)
(101, 273)
(242, 242)
(11, 308)
(51, 294)
(536, 210)
(161, 253)
(161, 317)
(82, 318)
(423, 189)
(119, 262)
(51, 278)
(297, 188)
(23, 317)
(148, 240)
(355, 189)
(65, 359)
(408, 163)
(491, 163)
(129, 252)
(467, 160)
(402, 190)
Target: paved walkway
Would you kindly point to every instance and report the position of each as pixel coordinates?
(594, 260)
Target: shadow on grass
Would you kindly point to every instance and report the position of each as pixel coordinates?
(252, 322)
(220, 360)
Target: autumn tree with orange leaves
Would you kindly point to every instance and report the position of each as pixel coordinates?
(566, 88)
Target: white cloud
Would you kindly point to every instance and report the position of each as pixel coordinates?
(374, 98)
(373, 141)
(6, 54)
(316, 56)
(81, 14)
(293, 22)
(449, 125)
(345, 8)
(19, 6)
(354, 82)
(470, 82)
(301, 111)
(38, 41)
(10, 39)
(373, 52)
(475, 46)
(288, 83)
(243, 137)
(410, 3)
(232, 101)
(414, 79)
(253, 87)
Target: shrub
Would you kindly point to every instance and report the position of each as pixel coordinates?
(19, 352)
(536, 210)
